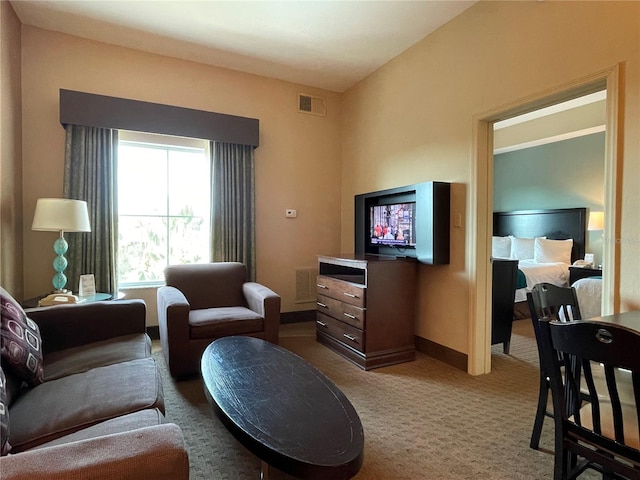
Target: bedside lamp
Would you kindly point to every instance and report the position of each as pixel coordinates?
(596, 221)
(60, 215)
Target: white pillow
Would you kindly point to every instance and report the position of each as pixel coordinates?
(547, 251)
(501, 247)
(521, 248)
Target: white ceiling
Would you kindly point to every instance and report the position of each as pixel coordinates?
(320, 43)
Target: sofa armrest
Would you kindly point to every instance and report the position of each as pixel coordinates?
(173, 322)
(67, 326)
(266, 302)
(153, 453)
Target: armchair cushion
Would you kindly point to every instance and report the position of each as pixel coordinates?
(224, 321)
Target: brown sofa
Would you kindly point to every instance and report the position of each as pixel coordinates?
(203, 302)
(99, 413)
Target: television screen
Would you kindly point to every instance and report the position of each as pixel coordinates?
(393, 225)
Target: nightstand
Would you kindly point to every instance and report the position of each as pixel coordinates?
(576, 273)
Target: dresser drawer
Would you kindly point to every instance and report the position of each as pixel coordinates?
(342, 311)
(344, 291)
(341, 331)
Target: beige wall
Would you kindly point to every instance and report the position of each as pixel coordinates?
(413, 120)
(10, 153)
(410, 121)
(297, 163)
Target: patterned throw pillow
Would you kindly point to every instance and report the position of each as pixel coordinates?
(21, 346)
(4, 416)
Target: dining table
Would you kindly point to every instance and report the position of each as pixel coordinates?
(630, 319)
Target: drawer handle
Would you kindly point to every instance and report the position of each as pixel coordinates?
(348, 315)
(320, 304)
(322, 324)
(349, 337)
(319, 285)
(351, 295)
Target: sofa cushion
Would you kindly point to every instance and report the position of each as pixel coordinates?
(21, 345)
(223, 321)
(68, 404)
(4, 416)
(131, 421)
(97, 354)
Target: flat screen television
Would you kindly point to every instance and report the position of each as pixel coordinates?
(393, 225)
(420, 212)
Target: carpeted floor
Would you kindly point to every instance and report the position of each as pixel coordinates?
(422, 419)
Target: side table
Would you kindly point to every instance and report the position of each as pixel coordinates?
(576, 273)
(98, 297)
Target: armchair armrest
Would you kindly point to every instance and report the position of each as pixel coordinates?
(266, 302)
(153, 453)
(67, 326)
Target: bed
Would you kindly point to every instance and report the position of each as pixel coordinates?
(545, 243)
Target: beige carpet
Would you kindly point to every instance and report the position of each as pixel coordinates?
(422, 419)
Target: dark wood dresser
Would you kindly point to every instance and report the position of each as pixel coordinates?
(366, 308)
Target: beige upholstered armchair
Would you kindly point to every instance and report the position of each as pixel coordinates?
(203, 302)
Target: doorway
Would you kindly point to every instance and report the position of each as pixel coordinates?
(482, 204)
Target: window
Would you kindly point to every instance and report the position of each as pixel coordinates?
(163, 205)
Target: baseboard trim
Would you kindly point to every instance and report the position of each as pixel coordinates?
(297, 317)
(440, 352)
(154, 332)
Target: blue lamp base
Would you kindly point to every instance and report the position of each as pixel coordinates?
(59, 280)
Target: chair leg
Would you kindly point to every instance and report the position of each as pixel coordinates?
(505, 347)
(541, 411)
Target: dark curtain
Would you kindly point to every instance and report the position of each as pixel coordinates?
(90, 174)
(233, 205)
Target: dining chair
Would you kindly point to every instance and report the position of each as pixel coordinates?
(601, 434)
(548, 301)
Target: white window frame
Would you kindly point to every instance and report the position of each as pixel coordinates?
(164, 142)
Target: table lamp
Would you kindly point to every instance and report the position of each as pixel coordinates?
(596, 221)
(60, 215)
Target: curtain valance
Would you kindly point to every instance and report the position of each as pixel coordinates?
(79, 108)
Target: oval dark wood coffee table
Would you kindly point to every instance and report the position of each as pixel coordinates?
(282, 409)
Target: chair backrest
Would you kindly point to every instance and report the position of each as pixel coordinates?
(209, 285)
(554, 303)
(606, 426)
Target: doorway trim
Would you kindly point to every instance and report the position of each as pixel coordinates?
(479, 240)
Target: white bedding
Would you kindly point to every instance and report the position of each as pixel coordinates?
(556, 273)
(589, 293)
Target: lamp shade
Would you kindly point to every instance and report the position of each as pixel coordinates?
(61, 215)
(596, 221)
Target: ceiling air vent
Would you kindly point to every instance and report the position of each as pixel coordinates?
(312, 105)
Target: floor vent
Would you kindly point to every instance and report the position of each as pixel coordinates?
(306, 285)
(312, 105)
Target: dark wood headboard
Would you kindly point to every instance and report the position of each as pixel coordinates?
(557, 224)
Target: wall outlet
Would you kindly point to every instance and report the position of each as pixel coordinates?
(290, 213)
